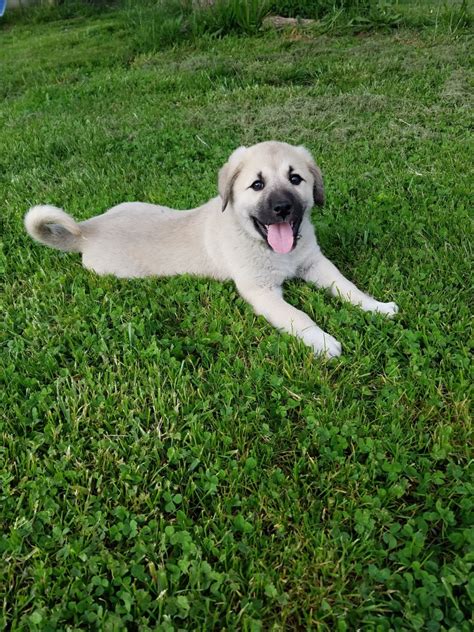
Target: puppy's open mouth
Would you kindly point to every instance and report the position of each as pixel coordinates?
(281, 237)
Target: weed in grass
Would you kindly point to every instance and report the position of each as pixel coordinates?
(159, 26)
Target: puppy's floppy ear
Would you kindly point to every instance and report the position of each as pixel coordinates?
(228, 175)
(318, 186)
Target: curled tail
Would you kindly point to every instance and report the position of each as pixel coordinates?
(53, 227)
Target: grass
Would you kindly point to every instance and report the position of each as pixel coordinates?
(171, 462)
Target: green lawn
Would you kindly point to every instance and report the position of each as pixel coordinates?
(168, 460)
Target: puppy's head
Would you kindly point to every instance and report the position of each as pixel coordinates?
(269, 187)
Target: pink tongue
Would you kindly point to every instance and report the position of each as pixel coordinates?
(280, 237)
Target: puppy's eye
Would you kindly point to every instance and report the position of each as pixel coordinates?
(295, 179)
(257, 185)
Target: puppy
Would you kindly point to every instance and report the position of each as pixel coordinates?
(257, 232)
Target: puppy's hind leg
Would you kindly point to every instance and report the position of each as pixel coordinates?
(271, 304)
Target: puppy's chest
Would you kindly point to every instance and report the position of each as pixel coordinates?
(273, 269)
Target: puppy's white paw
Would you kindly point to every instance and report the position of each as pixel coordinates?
(388, 309)
(332, 348)
(322, 343)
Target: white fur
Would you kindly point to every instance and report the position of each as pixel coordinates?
(136, 240)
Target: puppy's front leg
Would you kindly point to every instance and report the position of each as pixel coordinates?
(270, 304)
(324, 274)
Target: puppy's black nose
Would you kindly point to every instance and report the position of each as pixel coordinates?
(282, 208)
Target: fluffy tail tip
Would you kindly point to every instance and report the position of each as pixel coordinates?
(53, 227)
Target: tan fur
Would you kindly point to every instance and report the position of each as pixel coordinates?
(135, 239)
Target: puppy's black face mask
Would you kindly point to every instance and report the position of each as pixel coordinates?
(278, 219)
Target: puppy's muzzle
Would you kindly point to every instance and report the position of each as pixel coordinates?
(278, 221)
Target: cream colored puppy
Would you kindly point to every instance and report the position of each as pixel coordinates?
(257, 232)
